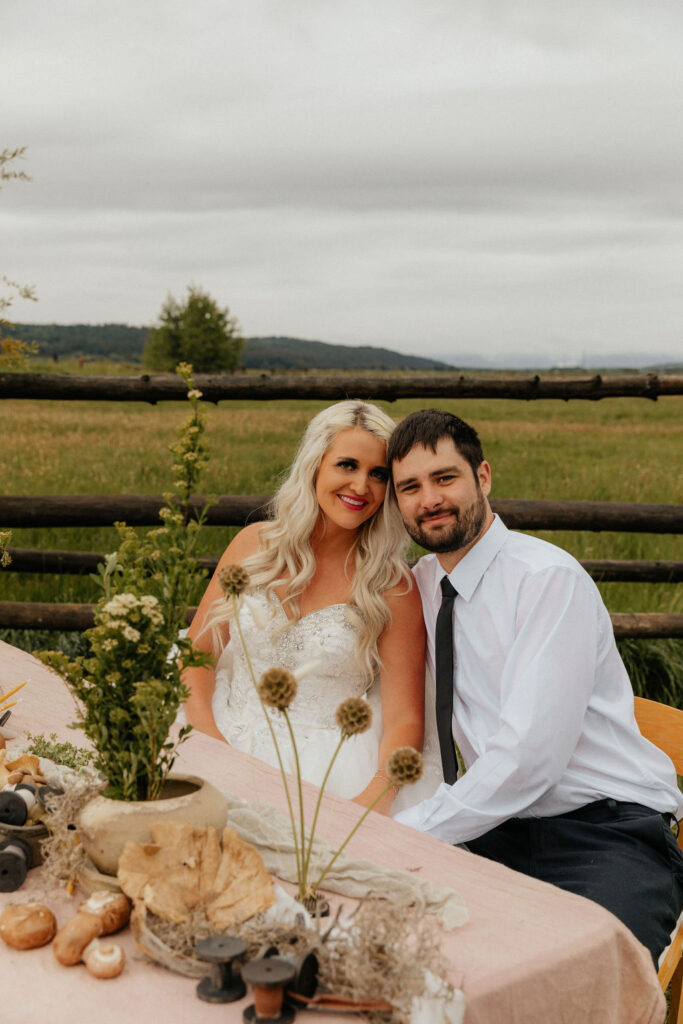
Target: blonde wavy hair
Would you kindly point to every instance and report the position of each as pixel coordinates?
(286, 558)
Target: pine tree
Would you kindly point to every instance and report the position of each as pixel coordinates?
(196, 331)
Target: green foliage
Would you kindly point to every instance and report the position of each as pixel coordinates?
(60, 753)
(68, 642)
(14, 352)
(655, 668)
(197, 331)
(129, 684)
(7, 159)
(5, 538)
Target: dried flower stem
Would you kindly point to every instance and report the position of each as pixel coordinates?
(302, 873)
(351, 834)
(318, 806)
(297, 852)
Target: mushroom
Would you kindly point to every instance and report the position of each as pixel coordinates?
(112, 909)
(103, 913)
(27, 925)
(103, 959)
(72, 939)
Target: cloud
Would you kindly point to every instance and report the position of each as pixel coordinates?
(356, 172)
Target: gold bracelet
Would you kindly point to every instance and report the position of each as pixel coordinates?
(381, 774)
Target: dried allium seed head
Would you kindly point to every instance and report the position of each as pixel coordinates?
(404, 766)
(354, 716)
(277, 688)
(234, 580)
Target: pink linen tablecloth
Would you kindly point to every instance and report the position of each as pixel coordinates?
(530, 953)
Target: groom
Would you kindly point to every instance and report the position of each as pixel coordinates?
(559, 784)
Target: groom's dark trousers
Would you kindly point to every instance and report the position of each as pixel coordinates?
(623, 856)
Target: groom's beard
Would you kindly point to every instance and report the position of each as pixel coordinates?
(457, 533)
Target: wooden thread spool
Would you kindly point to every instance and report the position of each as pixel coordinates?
(15, 804)
(16, 858)
(220, 951)
(306, 967)
(268, 977)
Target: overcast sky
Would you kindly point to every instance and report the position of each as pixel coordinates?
(434, 176)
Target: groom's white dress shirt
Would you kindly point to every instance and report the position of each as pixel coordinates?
(542, 705)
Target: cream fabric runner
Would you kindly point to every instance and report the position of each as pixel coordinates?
(270, 832)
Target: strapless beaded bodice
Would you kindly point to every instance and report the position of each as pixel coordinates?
(323, 645)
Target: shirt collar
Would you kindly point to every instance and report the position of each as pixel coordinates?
(469, 571)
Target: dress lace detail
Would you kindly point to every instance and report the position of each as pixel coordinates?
(327, 638)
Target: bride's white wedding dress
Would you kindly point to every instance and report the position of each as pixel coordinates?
(326, 638)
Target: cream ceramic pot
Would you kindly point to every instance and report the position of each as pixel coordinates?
(105, 825)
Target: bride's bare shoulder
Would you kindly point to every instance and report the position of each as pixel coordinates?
(404, 598)
(245, 544)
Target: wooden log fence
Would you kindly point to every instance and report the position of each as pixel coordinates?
(235, 510)
(30, 511)
(334, 387)
(65, 563)
(79, 617)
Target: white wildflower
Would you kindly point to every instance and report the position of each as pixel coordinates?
(109, 644)
(194, 393)
(121, 604)
(131, 634)
(150, 608)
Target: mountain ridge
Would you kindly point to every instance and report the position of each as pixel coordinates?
(277, 352)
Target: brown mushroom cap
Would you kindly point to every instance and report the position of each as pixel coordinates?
(111, 908)
(27, 925)
(72, 939)
(186, 867)
(104, 959)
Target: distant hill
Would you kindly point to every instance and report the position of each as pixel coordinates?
(107, 341)
(295, 354)
(125, 344)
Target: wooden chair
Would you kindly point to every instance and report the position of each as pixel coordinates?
(663, 726)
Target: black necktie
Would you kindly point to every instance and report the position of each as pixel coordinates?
(444, 680)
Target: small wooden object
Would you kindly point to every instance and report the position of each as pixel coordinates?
(221, 986)
(16, 858)
(16, 804)
(268, 978)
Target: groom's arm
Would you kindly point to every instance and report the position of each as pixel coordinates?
(545, 688)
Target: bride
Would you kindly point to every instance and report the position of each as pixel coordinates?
(330, 596)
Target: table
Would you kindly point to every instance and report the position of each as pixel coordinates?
(529, 953)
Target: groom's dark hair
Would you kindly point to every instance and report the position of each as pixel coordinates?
(427, 427)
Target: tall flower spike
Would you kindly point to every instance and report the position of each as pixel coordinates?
(404, 766)
(354, 716)
(234, 580)
(277, 688)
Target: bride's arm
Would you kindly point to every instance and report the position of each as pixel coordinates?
(201, 681)
(402, 650)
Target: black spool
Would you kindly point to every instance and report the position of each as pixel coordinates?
(16, 858)
(221, 986)
(13, 810)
